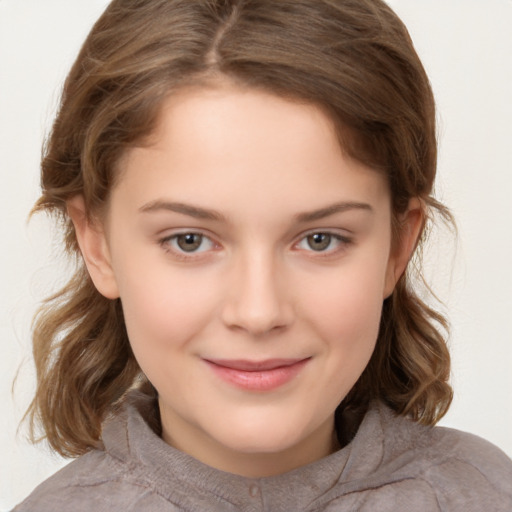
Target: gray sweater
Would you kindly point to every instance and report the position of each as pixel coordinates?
(391, 465)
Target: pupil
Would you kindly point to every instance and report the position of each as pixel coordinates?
(319, 241)
(189, 242)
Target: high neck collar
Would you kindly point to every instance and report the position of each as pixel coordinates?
(129, 438)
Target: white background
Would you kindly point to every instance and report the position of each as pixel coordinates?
(466, 46)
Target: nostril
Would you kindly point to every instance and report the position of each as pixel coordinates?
(271, 318)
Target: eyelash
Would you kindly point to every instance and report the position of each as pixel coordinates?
(169, 244)
(341, 241)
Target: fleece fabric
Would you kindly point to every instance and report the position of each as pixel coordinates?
(392, 465)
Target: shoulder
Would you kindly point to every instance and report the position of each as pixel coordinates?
(465, 468)
(113, 478)
(55, 492)
(463, 471)
(75, 486)
(96, 482)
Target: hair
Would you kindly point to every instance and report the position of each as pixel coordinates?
(352, 58)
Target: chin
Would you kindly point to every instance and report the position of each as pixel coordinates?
(260, 437)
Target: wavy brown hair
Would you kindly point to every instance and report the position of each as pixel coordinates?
(352, 58)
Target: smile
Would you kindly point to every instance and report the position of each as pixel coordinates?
(257, 375)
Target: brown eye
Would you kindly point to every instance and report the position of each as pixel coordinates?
(189, 242)
(319, 241)
(187, 245)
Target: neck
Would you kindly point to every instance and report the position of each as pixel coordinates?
(317, 445)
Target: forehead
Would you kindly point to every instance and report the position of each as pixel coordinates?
(231, 145)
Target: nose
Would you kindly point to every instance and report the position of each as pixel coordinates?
(258, 297)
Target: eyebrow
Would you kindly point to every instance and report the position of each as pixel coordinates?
(208, 214)
(331, 210)
(185, 209)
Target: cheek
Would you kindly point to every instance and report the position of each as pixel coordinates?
(346, 318)
(163, 308)
(346, 309)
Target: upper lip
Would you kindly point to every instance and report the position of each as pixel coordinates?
(255, 366)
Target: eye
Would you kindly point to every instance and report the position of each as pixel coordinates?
(188, 243)
(322, 242)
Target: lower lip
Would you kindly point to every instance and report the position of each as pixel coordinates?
(265, 380)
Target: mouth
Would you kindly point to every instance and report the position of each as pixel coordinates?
(257, 375)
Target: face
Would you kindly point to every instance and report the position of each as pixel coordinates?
(252, 258)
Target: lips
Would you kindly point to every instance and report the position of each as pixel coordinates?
(254, 366)
(257, 375)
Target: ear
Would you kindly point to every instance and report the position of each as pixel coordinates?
(411, 224)
(93, 245)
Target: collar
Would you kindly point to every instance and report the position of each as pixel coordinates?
(187, 482)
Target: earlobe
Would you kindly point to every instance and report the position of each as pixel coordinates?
(411, 224)
(94, 248)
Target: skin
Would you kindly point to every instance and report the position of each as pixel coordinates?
(255, 287)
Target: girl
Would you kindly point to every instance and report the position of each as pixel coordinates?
(245, 182)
